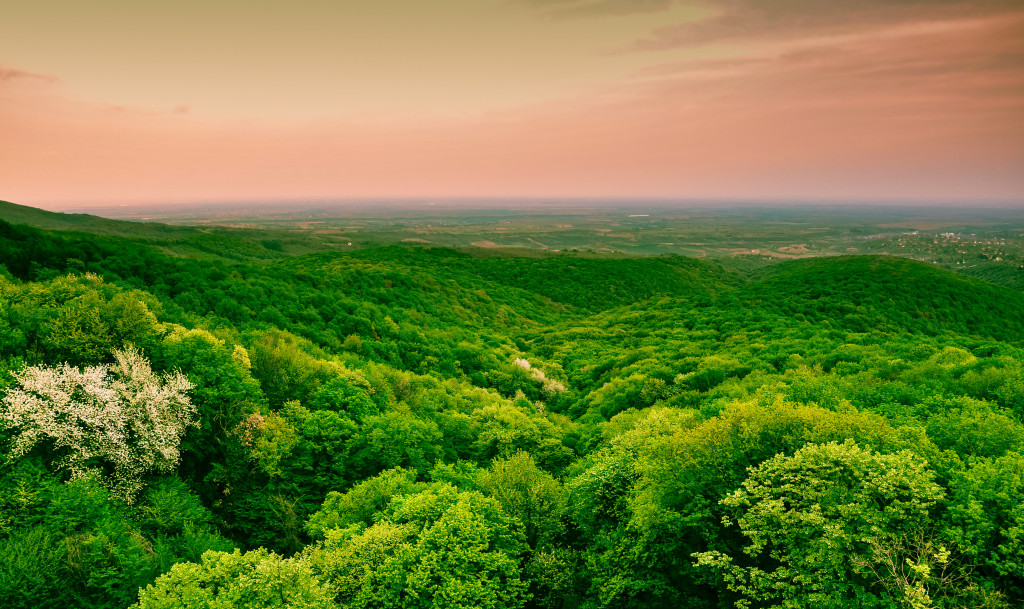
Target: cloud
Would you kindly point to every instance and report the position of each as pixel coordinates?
(969, 67)
(713, 68)
(568, 9)
(7, 74)
(927, 109)
(759, 20)
(747, 19)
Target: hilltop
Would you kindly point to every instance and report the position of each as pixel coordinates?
(884, 293)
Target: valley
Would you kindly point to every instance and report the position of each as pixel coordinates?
(591, 407)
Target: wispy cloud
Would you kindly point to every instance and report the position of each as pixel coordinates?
(9, 74)
(766, 99)
(760, 20)
(568, 9)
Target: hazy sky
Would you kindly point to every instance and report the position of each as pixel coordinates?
(127, 102)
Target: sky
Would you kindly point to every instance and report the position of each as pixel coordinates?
(108, 102)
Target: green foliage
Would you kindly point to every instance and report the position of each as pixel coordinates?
(428, 427)
(342, 395)
(72, 545)
(285, 369)
(862, 293)
(225, 394)
(529, 494)
(222, 580)
(362, 501)
(596, 283)
(986, 518)
(810, 519)
(395, 439)
(77, 319)
(436, 548)
(503, 430)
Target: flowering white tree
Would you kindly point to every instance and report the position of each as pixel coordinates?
(131, 421)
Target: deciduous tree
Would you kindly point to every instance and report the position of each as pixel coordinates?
(123, 425)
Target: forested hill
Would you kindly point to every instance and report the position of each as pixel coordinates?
(862, 293)
(236, 424)
(201, 242)
(583, 284)
(23, 214)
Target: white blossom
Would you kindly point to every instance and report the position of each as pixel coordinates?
(124, 417)
(551, 386)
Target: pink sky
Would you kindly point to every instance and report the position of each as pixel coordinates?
(863, 100)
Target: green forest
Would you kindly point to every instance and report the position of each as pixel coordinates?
(208, 420)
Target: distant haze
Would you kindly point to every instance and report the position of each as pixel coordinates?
(109, 102)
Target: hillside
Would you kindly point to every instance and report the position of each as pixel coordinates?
(580, 282)
(863, 293)
(211, 242)
(583, 429)
(23, 214)
(802, 313)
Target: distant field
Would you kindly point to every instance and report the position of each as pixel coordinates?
(985, 243)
